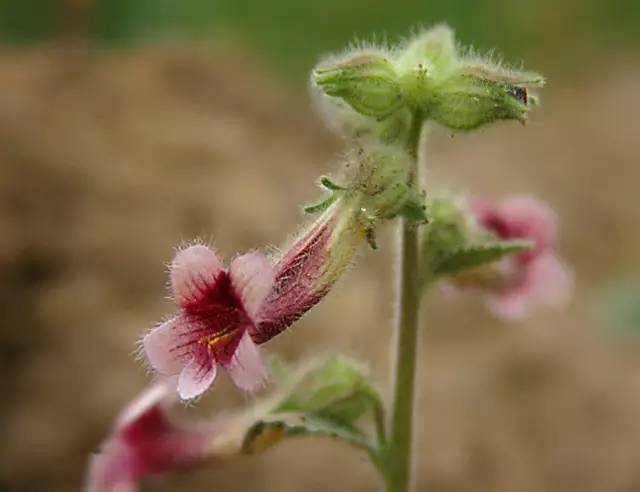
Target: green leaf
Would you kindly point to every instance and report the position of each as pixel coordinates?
(336, 389)
(474, 256)
(326, 400)
(266, 433)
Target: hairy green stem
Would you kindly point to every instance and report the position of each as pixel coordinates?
(399, 450)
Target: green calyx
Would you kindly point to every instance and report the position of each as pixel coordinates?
(376, 182)
(429, 74)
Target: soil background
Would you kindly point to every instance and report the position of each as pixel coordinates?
(109, 160)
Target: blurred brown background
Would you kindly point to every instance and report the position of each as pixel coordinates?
(115, 150)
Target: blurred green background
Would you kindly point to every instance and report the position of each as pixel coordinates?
(551, 35)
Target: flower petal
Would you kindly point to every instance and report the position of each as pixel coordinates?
(525, 216)
(195, 378)
(551, 281)
(252, 277)
(111, 470)
(166, 346)
(160, 346)
(548, 283)
(160, 395)
(246, 367)
(192, 271)
(510, 305)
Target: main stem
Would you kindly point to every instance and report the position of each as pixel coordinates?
(406, 338)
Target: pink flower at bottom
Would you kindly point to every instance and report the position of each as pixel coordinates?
(217, 319)
(146, 441)
(532, 278)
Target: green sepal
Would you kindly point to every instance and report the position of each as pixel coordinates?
(473, 256)
(329, 184)
(320, 206)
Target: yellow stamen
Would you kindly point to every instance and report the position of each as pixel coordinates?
(217, 338)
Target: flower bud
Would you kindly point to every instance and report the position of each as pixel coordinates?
(468, 99)
(381, 183)
(433, 48)
(367, 81)
(516, 280)
(450, 225)
(460, 91)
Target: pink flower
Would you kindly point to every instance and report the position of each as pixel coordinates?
(532, 278)
(146, 441)
(218, 318)
(225, 313)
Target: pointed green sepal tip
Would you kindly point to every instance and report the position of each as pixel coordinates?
(315, 208)
(329, 184)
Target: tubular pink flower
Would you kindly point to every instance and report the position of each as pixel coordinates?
(529, 279)
(310, 267)
(217, 319)
(147, 441)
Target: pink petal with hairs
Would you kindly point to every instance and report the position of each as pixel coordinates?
(160, 346)
(246, 367)
(195, 378)
(252, 277)
(192, 271)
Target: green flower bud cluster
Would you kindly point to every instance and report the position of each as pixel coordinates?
(376, 183)
(431, 76)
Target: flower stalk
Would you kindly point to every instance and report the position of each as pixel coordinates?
(399, 450)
